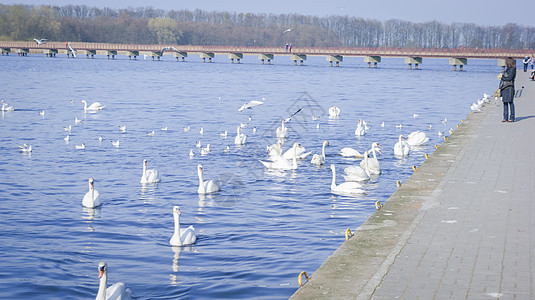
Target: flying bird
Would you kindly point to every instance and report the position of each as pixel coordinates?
(168, 48)
(41, 41)
(250, 105)
(287, 30)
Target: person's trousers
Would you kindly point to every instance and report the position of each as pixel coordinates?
(506, 106)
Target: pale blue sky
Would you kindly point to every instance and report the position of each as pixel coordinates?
(490, 12)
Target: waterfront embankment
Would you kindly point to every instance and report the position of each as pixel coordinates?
(458, 228)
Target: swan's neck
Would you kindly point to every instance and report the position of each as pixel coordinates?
(366, 169)
(101, 295)
(201, 184)
(333, 183)
(85, 105)
(177, 229)
(294, 160)
(144, 170)
(92, 190)
(373, 151)
(323, 151)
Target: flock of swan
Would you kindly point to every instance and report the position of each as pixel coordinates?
(355, 176)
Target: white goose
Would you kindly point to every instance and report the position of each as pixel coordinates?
(334, 112)
(182, 236)
(348, 187)
(150, 175)
(372, 164)
(240, 138)
(282, 131)
(401, 148)
(93, 107)
(360, 131)
(92, 197)
(417, 138)
(280, 163)
(208, 186)
(317, 159)
(117, 291)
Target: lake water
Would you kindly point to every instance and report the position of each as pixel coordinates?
(254, 236)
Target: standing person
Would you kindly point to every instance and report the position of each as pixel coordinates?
(526, 61)
(507, 89)
(290, 47)
(286, 47)
(532, 61)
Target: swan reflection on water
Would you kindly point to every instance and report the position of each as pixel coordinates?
(90, 214)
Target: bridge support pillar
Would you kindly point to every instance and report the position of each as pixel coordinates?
(50, 52)
(413, 60)
(206, 55)
(135, 54)
(266, 56)
(458, 62)
(236, 56)
(335, 58)
(6, 51)
(156, 54)
(180, 54)
(89, 52)
(298, 57)
(112, 53)
(23, 51)
(372, 59)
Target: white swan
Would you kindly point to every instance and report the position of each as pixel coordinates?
(114, 292)
(92, 197)
(223, 134)
(149, 176)
(334, 111)
(80, 147)
(360, 131)
(281, 131)
(317, 159)
(240, 138)
(208, 186)
(417, 138)
(6, 107)
(357, 173)
(182, 236)
(300, 153)
(93, 107)
(280, 163)
(350, 152)
(348, 187)
(372, 164)
(401, 148)
(274, 149)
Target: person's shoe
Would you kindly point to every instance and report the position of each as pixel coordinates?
(511, 121)
(504, 120)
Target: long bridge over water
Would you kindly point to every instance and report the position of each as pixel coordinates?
(334, 55)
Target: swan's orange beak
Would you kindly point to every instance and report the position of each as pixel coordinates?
(379, 151)
(101, 272)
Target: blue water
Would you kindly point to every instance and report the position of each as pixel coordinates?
(261, 230)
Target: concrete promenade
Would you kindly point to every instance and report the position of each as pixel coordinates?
(461, 227)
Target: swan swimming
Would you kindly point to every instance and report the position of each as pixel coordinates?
(360, 131)
(206, 150)
(357, 173)
(92, 197)
(348, 187)
(317, 159)
(93, 107)
(150, 175)
(334, 111)
(280, 163)
(117, 291)
(80, 147)
(240, 138)
(182, 236)
(401, 148)
(417, 138)
(300, 153)
(281, 131)
(372, 164)
(208, 186)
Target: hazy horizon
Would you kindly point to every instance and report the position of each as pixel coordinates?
(453, 11)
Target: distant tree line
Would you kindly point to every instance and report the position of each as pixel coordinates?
(199, 27)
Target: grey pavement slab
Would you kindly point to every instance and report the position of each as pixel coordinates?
(460, 227)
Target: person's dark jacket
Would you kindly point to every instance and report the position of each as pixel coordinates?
(507, 85)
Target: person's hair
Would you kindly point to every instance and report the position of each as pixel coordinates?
(510, 63)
